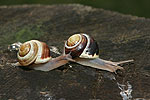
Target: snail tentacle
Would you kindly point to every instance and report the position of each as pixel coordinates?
(126, 61)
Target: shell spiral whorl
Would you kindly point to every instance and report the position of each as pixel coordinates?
(24, 49)
(33, 51)
(81, 45)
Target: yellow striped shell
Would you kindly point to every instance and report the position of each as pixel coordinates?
(33, 52)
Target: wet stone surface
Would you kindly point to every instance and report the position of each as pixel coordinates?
(120, 37)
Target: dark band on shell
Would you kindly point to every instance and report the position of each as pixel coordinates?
(93, 47)
(45, 51)
(76, 49)
(85, 47)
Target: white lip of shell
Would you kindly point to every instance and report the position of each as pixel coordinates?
(29, 54)
(70, 47)
(39, 54)
(84, 54)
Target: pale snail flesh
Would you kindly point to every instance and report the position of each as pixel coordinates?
(84, 50)
(36, 55)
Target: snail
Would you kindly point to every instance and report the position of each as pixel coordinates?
(84, 50)
(35, 54)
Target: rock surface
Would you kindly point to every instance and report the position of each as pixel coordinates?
(120, 37)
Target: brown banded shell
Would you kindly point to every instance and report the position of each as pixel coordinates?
(81, 45)
(33, 51)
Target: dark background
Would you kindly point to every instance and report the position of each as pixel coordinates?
(139, 8)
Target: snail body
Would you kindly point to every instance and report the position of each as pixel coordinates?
(85, 51)
(36, 55)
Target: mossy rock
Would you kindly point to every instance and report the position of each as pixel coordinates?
(120, 37)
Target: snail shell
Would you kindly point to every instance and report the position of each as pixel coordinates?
(82, 45)
(85, 51)
(33, 51)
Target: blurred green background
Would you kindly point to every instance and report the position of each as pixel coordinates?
(139, 8)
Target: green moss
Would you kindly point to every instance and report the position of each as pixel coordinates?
(28, 33)
(23, 34)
